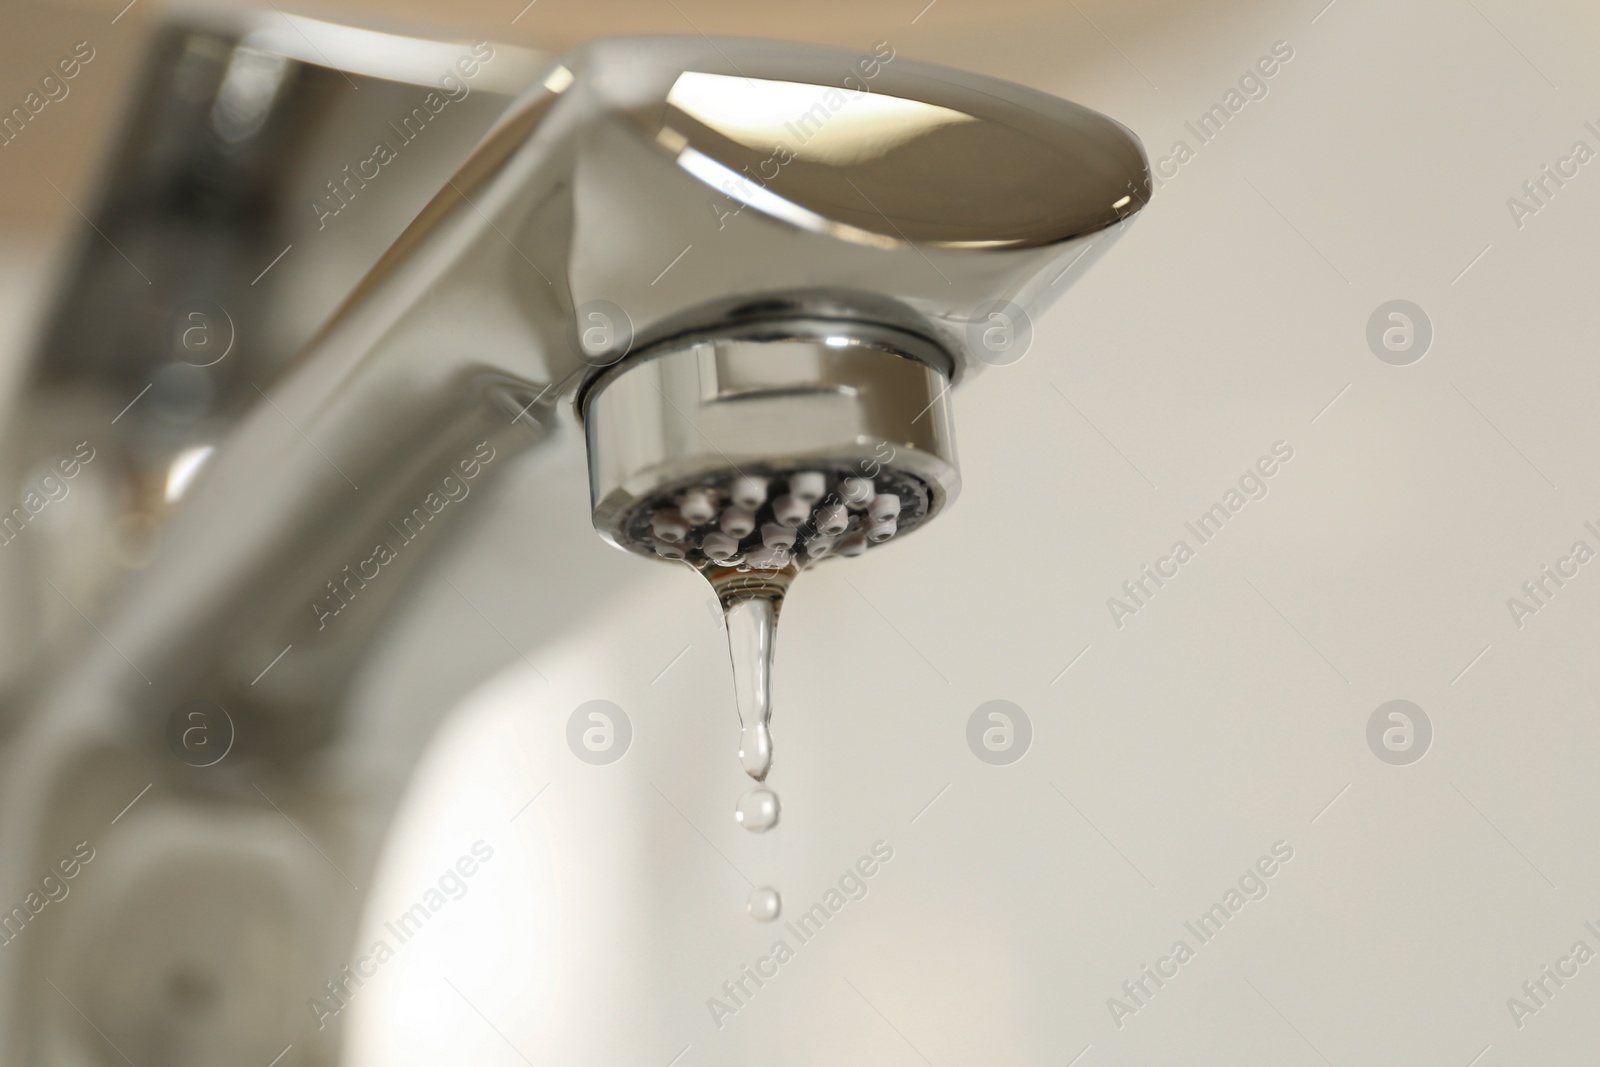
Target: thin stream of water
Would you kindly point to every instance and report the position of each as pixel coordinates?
(751, 603)
(752, 624)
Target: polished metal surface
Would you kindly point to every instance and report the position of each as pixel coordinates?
(919, 204)
(240, 203)
(852, 159)
(1026, 193)
(800, 396)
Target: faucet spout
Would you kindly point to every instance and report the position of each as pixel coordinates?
(711, 266)
(590, 195)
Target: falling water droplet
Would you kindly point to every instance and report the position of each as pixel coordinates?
(757, 810)
(764, 904)
(750, 606)
(755, 749)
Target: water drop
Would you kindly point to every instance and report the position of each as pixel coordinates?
(757, 810)
(750, 605)
(755, 749)
(764, 904)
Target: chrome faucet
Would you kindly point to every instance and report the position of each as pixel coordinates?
(714, 267)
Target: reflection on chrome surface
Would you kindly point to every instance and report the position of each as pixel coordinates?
(366, 323)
